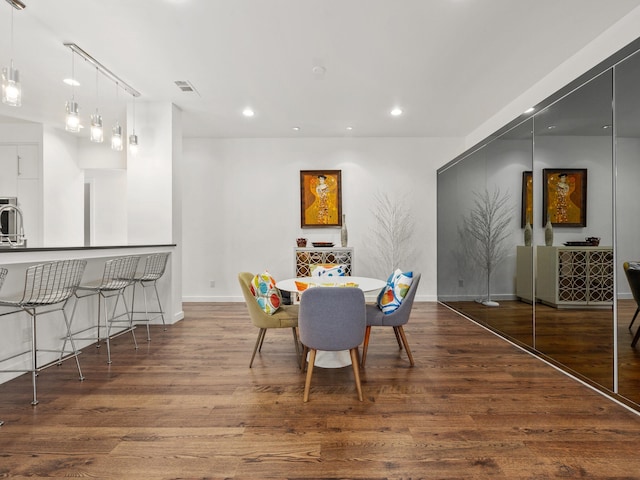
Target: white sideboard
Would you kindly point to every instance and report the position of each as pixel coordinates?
(305, 257)
(574, 276)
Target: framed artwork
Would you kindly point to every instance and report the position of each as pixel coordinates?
(526, 215)
(320, 198)
(564, 197)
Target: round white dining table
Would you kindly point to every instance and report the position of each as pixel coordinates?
(365, 284)
(336, 359)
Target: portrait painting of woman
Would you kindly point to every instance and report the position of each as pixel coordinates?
(565, 197)
(320, 198)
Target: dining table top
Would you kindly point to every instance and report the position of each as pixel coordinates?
(300, 284)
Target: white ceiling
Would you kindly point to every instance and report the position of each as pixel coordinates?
(449, 64)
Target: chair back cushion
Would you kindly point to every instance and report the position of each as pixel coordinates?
(263, 288)
(394, 291)
(332, 318)
(632, 271)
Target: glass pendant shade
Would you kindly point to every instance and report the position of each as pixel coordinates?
(97, 132)
(116, 137)
(133, 143)
(72, 123)
(11, 88)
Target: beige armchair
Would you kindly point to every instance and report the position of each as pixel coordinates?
(285, 317)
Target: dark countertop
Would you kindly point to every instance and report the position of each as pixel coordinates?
(59, 249)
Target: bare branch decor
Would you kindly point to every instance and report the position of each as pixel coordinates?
(392, 234)
(484, 233)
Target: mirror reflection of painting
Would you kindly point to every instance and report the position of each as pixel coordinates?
(565, 197)
(320, 198)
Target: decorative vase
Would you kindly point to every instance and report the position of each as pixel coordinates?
(548, 234)
(343, 232)
(527, 235)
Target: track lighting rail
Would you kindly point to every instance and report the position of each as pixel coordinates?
(104, 70)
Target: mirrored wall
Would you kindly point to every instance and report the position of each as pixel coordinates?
(536, 222)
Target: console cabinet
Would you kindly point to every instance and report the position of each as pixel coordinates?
(305, 257)
(575, 276)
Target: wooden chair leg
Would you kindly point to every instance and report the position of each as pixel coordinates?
(264, 332)
(634, 318)
(303, 360)
(400, 331)
(398, 338)
(356, 370)
(365, 346)
(295, 340)
(258, 344)
(307, 383)
(636, 337)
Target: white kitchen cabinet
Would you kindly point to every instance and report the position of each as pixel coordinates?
(8, 171)
(20, 177)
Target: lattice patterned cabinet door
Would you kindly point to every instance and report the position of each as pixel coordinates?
(601, 276)
(305, 258)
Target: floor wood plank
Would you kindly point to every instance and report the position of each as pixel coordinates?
(186, 405)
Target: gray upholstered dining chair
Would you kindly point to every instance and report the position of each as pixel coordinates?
(285, 317)
(332, 319)
(396, 320)
(632, 272)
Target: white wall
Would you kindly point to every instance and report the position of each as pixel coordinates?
(613, 39)
(108, 206)
(241, 204)
(149, 174)
(63, 190)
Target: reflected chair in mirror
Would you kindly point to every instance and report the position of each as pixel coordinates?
(396, 320)
(47, 289)
(332, 319)
(632, 272)
(154, 267)
(117, 276)
(285, 317)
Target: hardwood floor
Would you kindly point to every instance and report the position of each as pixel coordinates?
(186, 405)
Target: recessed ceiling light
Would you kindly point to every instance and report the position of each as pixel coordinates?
(606, 126)
(72, 82)
(396, 112)
(551, 127)
(296, 129)
(349, 128)
(529, 110)
(248, 112)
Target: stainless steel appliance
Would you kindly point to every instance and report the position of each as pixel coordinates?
(8, 218)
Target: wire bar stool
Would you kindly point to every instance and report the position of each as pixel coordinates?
(3, 275)
(117, 276)
(154, 268)
(47, 289)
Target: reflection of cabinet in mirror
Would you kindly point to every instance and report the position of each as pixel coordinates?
(524, 275)
(575, 276)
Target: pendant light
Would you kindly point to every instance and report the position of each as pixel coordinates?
(133, 138)
(116, 131)
(11, 88)
(97, 132)
(72, 121)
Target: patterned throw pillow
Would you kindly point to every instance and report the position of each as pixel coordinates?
(263, 287)
(395, 290)
(327, 270)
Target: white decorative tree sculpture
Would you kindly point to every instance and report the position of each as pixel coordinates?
(484, 233)
(392, 234)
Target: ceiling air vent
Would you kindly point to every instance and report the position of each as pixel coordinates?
(185, 86)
